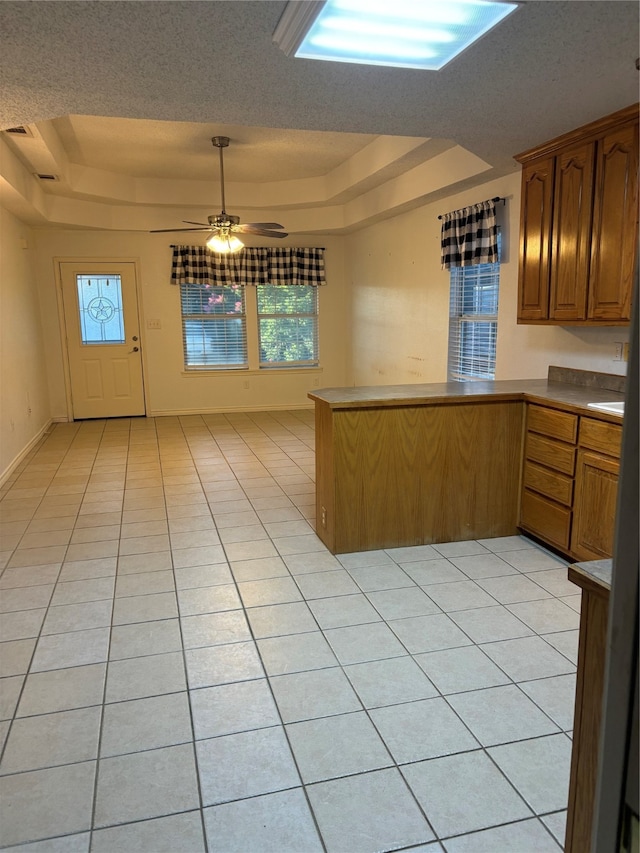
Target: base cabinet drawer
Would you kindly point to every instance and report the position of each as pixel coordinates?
(551, 484)
(553, 454)
(546, 519)
(599, 435)
(555, 424)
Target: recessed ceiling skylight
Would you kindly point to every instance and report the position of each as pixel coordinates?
(423, 34)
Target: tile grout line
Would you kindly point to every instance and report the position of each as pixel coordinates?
(245, 609)
(275, 704)
(96, 781)
(39, 635)
(194, 751)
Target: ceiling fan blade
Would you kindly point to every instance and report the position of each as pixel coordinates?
(268, 225)
(248, 229)
(190, 222)
(166, 230)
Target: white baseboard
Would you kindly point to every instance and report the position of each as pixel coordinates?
(221, 410)
(11, 467)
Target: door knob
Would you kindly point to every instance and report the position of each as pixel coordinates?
(135, 349)
(134, 338)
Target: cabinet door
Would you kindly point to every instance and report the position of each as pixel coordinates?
(535, 237)
(615, 225)
(594, 509)
(571, 242)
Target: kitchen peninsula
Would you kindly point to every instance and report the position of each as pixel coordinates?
(403, 465)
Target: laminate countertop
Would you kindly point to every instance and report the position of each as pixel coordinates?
(594, 575)
(563, 395)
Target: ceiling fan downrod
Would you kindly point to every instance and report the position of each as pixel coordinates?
(221, 142)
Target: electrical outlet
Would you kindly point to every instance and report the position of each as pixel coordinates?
(619, 351)
(246, 385)
(323, 517)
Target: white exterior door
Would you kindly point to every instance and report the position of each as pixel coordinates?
(103, 339)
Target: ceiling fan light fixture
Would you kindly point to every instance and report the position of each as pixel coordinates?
(224, 243)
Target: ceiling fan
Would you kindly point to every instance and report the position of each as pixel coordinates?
(223, 226)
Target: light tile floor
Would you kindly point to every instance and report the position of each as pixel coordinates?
(185, 667)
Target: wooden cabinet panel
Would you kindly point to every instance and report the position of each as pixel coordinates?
(476, 467)
(600, 435)
(325, 486)
(410, 475)
(596, 496)
(556, 486)
(572, 220)
(554, 454)
(378, 503)
(546, 519)
(588, 714)
(555, 424)
(535, 240)
(615, 226)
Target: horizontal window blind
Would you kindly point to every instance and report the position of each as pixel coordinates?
(288, 325)
(214, 328)
(473, 322)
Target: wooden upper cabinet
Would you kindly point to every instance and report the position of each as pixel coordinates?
(535, 237)
(615, 225)
(579, 225)
(572, 222)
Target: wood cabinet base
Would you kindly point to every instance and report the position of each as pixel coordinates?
(588, 713)
(410, 475)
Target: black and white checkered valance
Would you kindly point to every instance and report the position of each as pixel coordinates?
(249, 266)
(470, 236)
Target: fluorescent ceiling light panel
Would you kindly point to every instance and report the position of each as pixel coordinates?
(424, 34)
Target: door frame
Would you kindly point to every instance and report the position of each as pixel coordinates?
(62, 323)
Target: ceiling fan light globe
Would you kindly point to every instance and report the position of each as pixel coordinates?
(224, 244)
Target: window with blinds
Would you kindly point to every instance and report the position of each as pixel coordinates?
(214, 327)
(288, 325)
(473, 322)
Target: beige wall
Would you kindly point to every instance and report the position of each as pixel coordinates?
(168, 389)
(400, 302)
(384, 319)
(24, 399)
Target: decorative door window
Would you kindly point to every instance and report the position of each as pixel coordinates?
(100, 308)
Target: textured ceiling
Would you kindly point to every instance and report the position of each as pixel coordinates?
(180, 72)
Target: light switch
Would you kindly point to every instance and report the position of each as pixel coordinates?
(154, 324)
